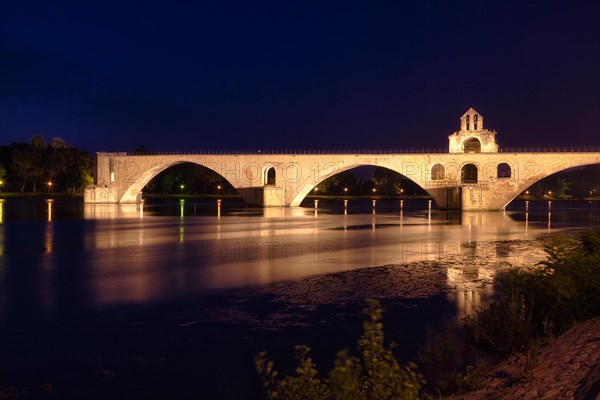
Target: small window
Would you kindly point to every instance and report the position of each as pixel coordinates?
(467, 122)
(475, 121)
(504, 171)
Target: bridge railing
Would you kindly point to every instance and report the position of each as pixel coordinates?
(549, 149)
(366, 151)
(298, 151)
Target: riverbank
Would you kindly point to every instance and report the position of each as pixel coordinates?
(567, 367)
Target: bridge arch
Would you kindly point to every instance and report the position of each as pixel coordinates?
(524, 185)
(313, 181)
(133, 192)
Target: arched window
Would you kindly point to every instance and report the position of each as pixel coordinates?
(269, 177)
(437, 172)
(475, 120)
(467, 122)
(468, 173)
(472, 145)
(504, 171)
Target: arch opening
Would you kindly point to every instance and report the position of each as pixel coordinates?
(361, 180)
(438, 172)
(468, 173)
(503, 171)
(180, 178)
(269, 177)
(472, 145)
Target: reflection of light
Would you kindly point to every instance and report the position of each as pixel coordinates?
(401, 204)
(549, 221)
(49, 238)
(181, 204)
(374, 204)
(142, 209)
(316, 203)
(1, 210)
(49, 201)
(219, 207)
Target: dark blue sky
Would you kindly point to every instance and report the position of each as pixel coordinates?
(106, 75)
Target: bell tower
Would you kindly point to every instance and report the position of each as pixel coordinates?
(472, 138)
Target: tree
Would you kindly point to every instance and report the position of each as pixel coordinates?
(388, 182)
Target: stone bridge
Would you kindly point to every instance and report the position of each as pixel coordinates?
(474, 174)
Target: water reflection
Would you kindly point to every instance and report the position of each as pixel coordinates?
(128, 254)
(49, 205)
(113, 211)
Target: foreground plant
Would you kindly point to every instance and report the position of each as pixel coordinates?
(374, 375)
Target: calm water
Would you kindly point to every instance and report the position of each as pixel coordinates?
(88, 288)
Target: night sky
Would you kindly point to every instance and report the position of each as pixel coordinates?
(106, 75)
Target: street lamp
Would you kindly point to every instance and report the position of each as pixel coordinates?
(181, 187)
(49, 186)
(374, 190)
(345, 191)
(1, 183)
(219, 189)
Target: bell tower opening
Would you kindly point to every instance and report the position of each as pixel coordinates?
(472, 145)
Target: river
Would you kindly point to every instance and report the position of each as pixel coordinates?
(172, 299)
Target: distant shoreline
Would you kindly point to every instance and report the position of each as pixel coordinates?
(54, 195)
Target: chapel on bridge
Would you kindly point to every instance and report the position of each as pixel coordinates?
(472, 138)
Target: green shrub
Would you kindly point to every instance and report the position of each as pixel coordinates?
(374, 375)
(545, 301)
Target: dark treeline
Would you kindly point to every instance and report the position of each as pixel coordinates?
(39, 166)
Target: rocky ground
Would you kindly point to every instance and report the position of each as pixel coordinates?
(566, 368)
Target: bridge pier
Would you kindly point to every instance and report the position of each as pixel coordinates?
(263, 196)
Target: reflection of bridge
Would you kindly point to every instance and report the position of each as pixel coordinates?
(473, 175)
